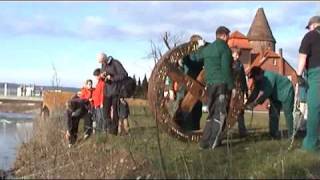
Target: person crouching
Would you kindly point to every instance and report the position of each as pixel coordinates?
(77, 108)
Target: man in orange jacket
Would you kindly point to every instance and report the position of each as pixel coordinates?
(87, 90)
(86, 94)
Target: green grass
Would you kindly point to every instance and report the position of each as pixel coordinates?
(257, 156)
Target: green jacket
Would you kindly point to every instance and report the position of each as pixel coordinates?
(274, 87)
(217, 63)
(191, 66)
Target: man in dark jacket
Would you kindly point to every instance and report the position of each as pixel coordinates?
(217, 60)
(114, 74)
(77, 108)
(240, 77)
(192, 67)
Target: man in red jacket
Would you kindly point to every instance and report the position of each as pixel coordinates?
(97, 97)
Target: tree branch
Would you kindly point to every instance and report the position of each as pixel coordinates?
(166, 40)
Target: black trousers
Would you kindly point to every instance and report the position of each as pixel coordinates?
(73, 125)
(111, 124)
(241, 124)
(217, 107)
(190, 121)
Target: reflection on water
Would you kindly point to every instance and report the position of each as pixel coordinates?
(14, 129)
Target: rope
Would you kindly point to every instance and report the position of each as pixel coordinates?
(229, 150)
(296, 119)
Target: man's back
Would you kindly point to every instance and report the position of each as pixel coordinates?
(217, 63)
(310, 46)
(117, 73)
(278, 85)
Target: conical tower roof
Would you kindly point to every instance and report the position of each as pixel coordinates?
(260, 29)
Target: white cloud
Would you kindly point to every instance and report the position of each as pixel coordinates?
(145, 21)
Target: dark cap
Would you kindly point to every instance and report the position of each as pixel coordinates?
(314, 19)
(222, 30)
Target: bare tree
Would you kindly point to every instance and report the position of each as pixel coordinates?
(172, 40)
(156, 52)
(169, 41)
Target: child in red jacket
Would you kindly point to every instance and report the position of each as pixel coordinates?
(98, 101)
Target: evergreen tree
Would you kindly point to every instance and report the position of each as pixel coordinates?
(145, 86)
(139, 89)
(134, 78)
(139, 82)
(135, 81)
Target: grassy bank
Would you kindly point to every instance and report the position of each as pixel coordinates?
(137, 155)
(18, 107)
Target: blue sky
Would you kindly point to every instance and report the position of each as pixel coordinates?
(37, 35)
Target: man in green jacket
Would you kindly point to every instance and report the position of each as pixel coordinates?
(279, 90)
(217, 60)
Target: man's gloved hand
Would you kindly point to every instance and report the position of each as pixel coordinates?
(201, 42)
(250, 106)
(301, 81)
(171, 95)
(233, 92)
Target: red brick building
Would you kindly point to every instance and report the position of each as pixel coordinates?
(258, 49)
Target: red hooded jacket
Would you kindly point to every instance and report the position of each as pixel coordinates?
(97, 95)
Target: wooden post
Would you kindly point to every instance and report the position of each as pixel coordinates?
(190, 100)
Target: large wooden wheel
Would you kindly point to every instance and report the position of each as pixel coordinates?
(166, 67)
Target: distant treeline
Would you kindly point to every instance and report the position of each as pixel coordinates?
(142, 87)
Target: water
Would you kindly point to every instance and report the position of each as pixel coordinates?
(15, 128)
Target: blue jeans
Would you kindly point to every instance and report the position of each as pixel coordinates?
(99, 118)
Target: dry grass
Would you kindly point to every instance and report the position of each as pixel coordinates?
(137, 102)
(137, 155)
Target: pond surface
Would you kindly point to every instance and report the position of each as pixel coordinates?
(15, 128)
